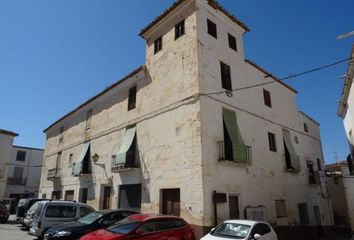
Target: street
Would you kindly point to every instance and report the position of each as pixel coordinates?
(13, 231)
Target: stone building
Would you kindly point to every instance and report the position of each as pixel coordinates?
(199, 131)
(346, 112)
(20, 170)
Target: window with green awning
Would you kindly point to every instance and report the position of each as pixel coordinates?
(292, 160)
(79, 165)
(239, 149)
(128, 138)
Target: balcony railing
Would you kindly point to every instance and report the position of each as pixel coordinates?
(16, 180)
(222, 155)
(131, 162)
(53, 174)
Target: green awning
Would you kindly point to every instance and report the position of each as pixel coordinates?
(127, 142)
(239, 148)
(294, 158)
(77, 167)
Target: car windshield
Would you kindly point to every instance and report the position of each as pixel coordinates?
(38, 209)
(2, 206)
(90, 218)
(124, 226)
(231, 230)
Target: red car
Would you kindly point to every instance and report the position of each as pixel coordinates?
(147, 227)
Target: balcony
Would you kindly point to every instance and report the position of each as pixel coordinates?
(222, 156)
(131, 163)
(17, 180)
(53, 174)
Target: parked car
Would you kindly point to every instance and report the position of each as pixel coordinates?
(87, 224)
(145, 226)
(51, 213)
(4, 213)
(10, 204)
(23, 206)
(242, 229)
(29, 215)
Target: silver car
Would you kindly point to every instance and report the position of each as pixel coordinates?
(50, 213)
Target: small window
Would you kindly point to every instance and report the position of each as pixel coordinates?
(267, 99)
(88, 119)
(272, 142)
(21, 156)
(232, 42)
(158, 45)
(61, 130)
(178, 224)
(280, 208)
(85, 210)
(70, 160)
(132, 98)
(179, 29)
(69, 195)
(306, 128)
(319, 165)
(212, 29)
(225, 76)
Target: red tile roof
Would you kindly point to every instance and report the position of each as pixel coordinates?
(8, 132)
(268, 74)
(212, 3)
(98, 95)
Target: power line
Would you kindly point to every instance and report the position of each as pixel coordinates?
(280, 79)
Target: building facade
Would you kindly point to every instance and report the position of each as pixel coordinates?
(346, 112)
(6, 141)
(199, 131)
(21, 168)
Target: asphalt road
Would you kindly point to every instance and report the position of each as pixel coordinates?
(13, 231)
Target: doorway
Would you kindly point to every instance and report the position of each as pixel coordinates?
(171, 201)
(106, 197)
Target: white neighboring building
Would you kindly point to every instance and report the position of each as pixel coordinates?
(174, 137)
(23, 172)
(346, 112)
(20, 168)
(6, 141)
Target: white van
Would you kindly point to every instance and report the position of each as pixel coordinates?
(50, 213)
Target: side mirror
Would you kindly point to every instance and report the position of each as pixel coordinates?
(257, 236)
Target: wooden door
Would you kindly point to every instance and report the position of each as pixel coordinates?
(106, 197)
(171, 201)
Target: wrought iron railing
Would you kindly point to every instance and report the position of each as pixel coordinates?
(222, 155)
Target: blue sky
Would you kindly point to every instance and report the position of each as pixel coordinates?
(54, 55)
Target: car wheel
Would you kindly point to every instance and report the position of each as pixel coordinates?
(43, 233)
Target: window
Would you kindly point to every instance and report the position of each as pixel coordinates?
(280, 208)
(314, 177)
(56, 194)
(232, 42)
(306, 129)
(260, 229)
(44, 196)
(319, 166)
(225, 76)
(61, 130)
(17, 175)
(292, 160)
(303, 214)
(70, 160)
(158, 45)
(58, 162)
(85, 210)
(212, 29)
(88, 119)
(267, 99)
(69, 195)
(56, 211)
(132, 98)
(179, 29)
(21, 156)
(272, 142)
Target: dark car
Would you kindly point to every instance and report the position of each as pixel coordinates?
(145, 226)
(22, 207)
(91, 222)
(4, 213)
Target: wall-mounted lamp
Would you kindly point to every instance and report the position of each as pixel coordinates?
(95, 158)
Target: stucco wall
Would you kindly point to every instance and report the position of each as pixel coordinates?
(5, 156)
